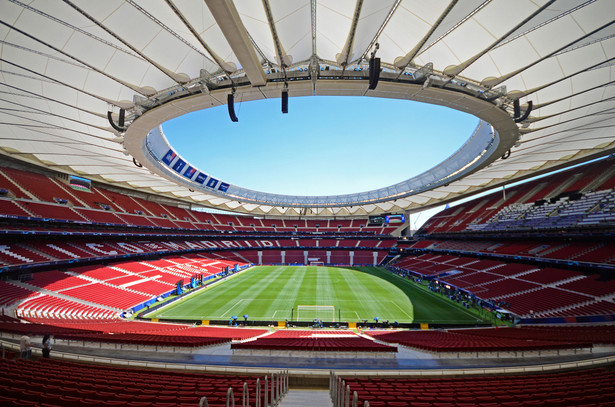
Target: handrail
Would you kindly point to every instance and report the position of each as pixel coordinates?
(230, 397)
(278, 388)
(245, 398)
(203, 402)
(331, 384)
(355, 399)
(266, 392)
(347, 396)
(258, 392)
(273, 399)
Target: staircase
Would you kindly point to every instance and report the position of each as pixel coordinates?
(306, 398)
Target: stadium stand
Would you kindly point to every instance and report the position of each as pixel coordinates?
(547, 243)
(147, 247)
(561, 200)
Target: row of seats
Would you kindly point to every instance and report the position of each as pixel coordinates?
(590, 209)
(56, 307)
(115, 287)
(585, 388)
(337, 257)
(125, 332)
(473, 215)
(49, 251)
(39, 195)
(316, 344)
(500, 339)
(583, 251)
(529, 290)
(50, 383)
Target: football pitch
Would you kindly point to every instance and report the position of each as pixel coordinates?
(296, 293)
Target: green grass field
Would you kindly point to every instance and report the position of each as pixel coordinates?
(273, 293)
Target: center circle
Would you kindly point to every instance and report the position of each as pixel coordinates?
(325, 145)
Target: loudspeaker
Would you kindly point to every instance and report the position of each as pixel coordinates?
(285, 101)
(230, 103)
(122, 116)
(374, 72)
(120, 128)
(516, 109)
(527, 112)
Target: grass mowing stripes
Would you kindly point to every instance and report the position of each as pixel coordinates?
(272, 293)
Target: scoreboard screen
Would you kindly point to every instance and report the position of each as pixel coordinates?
(379, 220)
(79, 183)
(376, 220)
(395, 219)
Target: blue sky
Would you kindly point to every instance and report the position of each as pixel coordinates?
(323, 146)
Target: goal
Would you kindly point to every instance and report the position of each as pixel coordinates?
(312, 312)
(317, 263)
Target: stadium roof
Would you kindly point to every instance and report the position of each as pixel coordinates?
(65, 64)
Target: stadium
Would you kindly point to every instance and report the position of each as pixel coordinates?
(161, 284)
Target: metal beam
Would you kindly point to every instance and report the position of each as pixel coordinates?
(217, 59)
(127, 43)
(227, 18)
(404, 61)
(283, 59)
(491, 82)
(384, 23)
(342, 57)
(455, 70)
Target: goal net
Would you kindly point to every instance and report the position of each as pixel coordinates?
(317, 263)
(312, 312)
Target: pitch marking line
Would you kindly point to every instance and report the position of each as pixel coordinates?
(230, 309)
(402, 310)
(446, 302)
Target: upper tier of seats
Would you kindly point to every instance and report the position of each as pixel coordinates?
(591, 251)
(30, 194)
(44, 250)
(576, 198)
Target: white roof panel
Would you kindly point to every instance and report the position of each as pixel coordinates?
(110, 53)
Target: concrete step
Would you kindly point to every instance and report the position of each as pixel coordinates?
(307, 398)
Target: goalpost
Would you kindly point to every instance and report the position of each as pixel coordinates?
(312, 312)
(317, 263)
